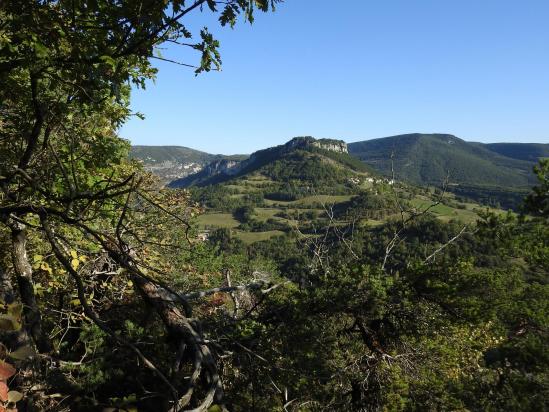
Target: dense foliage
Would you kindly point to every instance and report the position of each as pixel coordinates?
(83, 231)
(110, 299)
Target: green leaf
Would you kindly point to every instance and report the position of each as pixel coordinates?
(15, 310)
(46, 268)
(9, 323)
(108, 60)
(212, 5)
(40, 49)
(22, 353)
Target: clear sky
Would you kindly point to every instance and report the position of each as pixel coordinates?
(357, 70)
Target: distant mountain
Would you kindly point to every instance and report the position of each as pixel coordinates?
(499, 170)
(174, 162)
(531, 152)
(304, 159)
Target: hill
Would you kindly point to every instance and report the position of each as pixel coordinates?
(302, 161)
(174, 162)
(499, 173)
(531, 152)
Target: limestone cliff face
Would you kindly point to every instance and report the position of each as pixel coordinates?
(225, 166)
(332, 145)
(326, 144)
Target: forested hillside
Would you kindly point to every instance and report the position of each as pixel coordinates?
(485, 172)
(531, 152)
(361, 293)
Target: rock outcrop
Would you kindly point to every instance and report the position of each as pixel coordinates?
(326, 144)
(225, 166)
(332, 145)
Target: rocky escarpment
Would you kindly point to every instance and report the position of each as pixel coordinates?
(225, 166)
(305, 142)
(332, 145)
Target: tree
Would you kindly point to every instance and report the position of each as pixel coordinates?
(68, 192)
(537, 202)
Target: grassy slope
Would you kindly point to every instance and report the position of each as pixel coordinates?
(310, 200)
(251, 237)
(225, 220)
(217, 220)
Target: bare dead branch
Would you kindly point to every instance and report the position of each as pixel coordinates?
(432, 256)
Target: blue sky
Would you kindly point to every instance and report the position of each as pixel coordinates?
(357, 70)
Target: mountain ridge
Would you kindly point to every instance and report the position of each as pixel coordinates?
(426, 159)
(174, 162)
(484, 172)
(489, 172)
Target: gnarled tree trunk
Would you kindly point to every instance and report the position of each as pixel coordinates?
(187, 333)
(23, 270)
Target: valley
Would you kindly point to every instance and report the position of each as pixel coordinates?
(495, 174)
(303, 187)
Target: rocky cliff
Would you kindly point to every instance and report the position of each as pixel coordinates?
(332, 145)
(225, 166)
(326, 144)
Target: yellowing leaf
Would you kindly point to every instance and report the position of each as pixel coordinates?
(75, 263)
(14, 396)
(38, 289)
(45, 267)
(74, 254)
